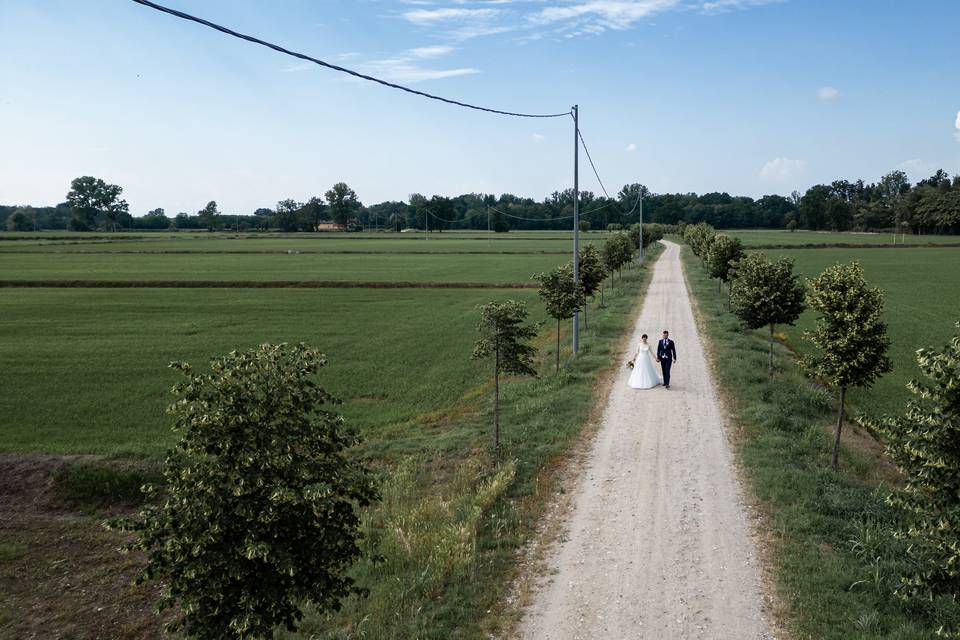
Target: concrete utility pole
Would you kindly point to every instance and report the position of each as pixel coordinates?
(641, 222)
(576, 220)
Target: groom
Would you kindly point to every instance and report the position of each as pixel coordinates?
(667, 355)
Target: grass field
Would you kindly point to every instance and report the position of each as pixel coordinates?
(262, 267)
(313, 243)
(922, 294)
(85, 371)
(767, 237)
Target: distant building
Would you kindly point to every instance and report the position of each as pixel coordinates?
(329, 225)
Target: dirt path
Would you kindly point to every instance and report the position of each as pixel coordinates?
(658, 545)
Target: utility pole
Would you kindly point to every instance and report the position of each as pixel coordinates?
(488, 225)
(576, 220)
(641, 222)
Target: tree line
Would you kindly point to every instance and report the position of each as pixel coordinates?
(931, 205)
(850, 350)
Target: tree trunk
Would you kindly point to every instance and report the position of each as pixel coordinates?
(558, 345)
(719, 284)
(770, 354)
(601, 296)
(835, 463)
(585, 306)
(496, 404)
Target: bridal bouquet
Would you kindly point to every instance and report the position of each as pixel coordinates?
(630, 364)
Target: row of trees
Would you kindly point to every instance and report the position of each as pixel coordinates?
(504, 330)
(931, 205)
(851, 343)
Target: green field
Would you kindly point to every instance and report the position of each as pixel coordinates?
(313, 243)
(85, 371)
(922, 293)
(772, 238)
(264, 267)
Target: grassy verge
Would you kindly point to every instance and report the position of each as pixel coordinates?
(835, 563)
(452, 519)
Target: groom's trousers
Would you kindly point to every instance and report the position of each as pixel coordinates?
(665, 364)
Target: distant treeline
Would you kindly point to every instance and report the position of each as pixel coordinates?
(930, 206)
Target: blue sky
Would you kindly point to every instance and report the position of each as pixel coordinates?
(746, 96)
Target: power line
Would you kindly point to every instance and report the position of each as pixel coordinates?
(301, 56)
(592, 166)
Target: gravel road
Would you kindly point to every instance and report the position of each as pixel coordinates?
(658, 545)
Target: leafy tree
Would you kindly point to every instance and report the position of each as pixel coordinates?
(22, 219)
(259, 515)
(504, 335)
(208, 217)
(91, 196)
(584, 226)
(850, 336)
(617, 251)
(312, 214)
(765, 294)
(562, 296)
(343, 202)
(925, 445)
(443, 212)
(722, 256)
(592, 274)
(699, 236)
(285, 214)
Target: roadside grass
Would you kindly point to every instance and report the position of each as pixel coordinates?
(835, 562)
(782, 238)
(921, 291)
(452, 520)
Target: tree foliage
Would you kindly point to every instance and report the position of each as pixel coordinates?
(850, 335)
(343, 202)
(699, 236)
(925, 445)
(618, 250)
(562, 296)
(765, 293)
(722, 255)
(91, 197)
(504, 334)
(259, 515)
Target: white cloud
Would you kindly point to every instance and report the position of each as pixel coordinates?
(828, 94)
(957, 125)
(612, 14)
(430, 52)
(538, 137)
(448, 14)
(783, 169)
(722, 6)
(631, 147)
(406, 70)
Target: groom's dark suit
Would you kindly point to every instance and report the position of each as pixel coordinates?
(666, 354)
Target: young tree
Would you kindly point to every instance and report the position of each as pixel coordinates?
(765, 294)
(699, 236)
(343, 202)
(617, 251)
(504, 335)
(561, 295)
(925, 445)
(722, 255)
(592, 274)
(259, 515)
(850, 336)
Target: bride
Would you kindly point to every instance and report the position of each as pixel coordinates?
(644, 374)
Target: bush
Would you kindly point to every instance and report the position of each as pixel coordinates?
(260, 513)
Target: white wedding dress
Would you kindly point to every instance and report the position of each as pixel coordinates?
(644, 374)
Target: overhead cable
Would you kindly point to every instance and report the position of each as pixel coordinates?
(301, 56)
(592, 166)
